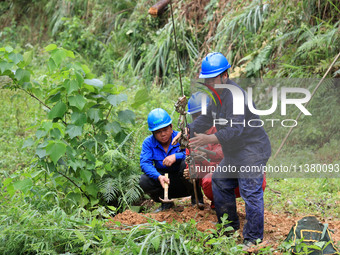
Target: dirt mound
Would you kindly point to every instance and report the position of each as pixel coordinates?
(276, 225)
(206, 219)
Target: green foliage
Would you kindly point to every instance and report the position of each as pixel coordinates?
(93, 87)
(82, 121)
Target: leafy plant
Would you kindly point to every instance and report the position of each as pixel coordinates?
(71, 141)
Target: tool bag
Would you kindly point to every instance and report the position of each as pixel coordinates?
(311, 230)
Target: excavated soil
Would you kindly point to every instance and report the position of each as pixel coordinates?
(276, 228)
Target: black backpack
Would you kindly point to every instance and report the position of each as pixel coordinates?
(312, 231)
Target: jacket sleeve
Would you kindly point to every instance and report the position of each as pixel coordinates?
(235, 125)
(202, 123)
(180, 155)
(146, 161)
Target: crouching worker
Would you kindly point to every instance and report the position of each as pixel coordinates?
(158, 157)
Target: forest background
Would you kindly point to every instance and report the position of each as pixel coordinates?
(78, 79)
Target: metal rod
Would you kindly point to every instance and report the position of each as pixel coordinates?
(291, 129)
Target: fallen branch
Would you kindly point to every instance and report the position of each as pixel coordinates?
(158, 8)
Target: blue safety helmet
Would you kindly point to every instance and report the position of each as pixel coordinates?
(195, 102)
(158, 118)
(213, 65)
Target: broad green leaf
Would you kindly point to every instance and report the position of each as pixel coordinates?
(57, 111)
(75, 197)
(59, 56)
(101, 172)
(80, 79)
(60, 127)
(75, 164)
(69, 53)
(22, 75)
(115, 100)
(74, 131)
(40, 133)
(71, 86)
(28, 56)
(101, 138)
(56, 150)
(95, 114)
(78, 118)
(9, 49)
(94, 202)
(77, 101)
(55, 133)
(47, 125)
(89, 76)
(41, 152)
(92, 189)
(28, 143)
(89, 87)
(91, 157)
(141, 97)
(94, 82)
(113, 127)
(24, 185)
(54, 98)
(15, 57)
(127, 116)
(99, 163)
(51, 65)
(27, 85)
(86, 69)
(50, 47)
(86, 175)
(5, 66)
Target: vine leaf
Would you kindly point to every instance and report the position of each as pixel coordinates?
(56, 150)
(57, 111)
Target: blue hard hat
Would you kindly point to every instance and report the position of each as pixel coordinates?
(213, 65)
(195, 102)
(158, 118)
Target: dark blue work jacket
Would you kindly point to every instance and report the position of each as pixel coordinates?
(153, 154)
(241, 143)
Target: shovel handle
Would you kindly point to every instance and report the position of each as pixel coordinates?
(166, 187)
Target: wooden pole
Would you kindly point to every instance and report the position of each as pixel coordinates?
(158, 8)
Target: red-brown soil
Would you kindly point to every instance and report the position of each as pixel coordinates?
(276, 228)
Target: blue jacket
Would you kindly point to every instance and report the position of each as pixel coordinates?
(241, 144)
(153, 154)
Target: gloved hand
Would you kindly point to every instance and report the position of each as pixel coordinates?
(186, 173)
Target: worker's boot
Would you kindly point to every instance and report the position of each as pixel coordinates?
(164, 206)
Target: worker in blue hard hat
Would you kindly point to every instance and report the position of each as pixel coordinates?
(243, 146)
(207, 156)
(159, 156)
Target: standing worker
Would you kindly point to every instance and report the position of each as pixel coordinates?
(207, 161)
(242, 145)
(159, 156)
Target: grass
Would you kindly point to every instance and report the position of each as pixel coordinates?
(19, 113)
(317, 196)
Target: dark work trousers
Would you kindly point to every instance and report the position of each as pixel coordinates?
(250, 185)
(179, 186)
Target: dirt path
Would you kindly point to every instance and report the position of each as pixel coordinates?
(276, 228)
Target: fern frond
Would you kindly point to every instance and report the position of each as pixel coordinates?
(109, 189)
